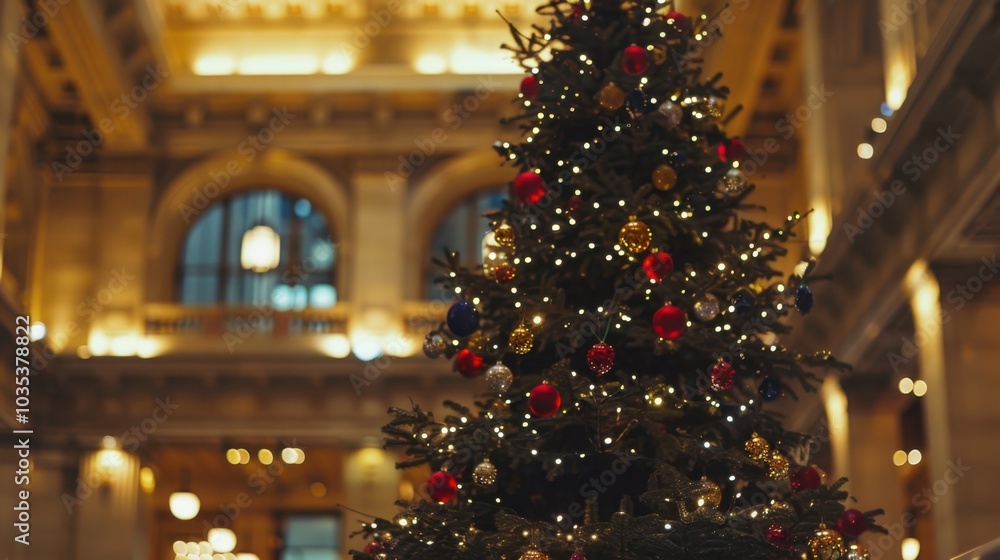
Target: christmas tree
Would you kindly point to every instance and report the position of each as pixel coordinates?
(625, 321)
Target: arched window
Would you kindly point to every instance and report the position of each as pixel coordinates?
(259, 248)
(462, 230)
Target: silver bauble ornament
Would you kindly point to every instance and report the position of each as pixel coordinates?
(707, 308)
(434, 345)
(733, 182)
(499, 377)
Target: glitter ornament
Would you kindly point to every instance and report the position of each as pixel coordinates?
(534, 554)
(706, 493)
(611, 97)
(504, 273)
(733, 182)
(442, 487)
(530, 87)
(463, 318)
(769, 389)
(434, 345)
(707, 308)
(669, 322)
(779, 537)
(374, 547)
(664, 177)
(658, 266)
(504, 235)
(468, 363)
(485, 473)
(578, 555)
(826, 544)
(672, 114)
(635, 236)
(601, 358)
(636, 60)
(499, 377)
(777, 465)
(544, 401)
(521, 340)
(852, 523)
(529, 187)
(757, 448)
(856, 551)
(806, 478)
(723, 376)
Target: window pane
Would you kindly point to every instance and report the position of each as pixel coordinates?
(313, 537)
(204, 240)
(462, 230)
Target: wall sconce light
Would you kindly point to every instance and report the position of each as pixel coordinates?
(184, 504)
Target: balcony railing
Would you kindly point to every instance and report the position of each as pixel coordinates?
(180, 320)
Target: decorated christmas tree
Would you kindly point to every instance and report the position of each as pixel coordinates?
(624, 324)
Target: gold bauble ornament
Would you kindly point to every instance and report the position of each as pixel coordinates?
(659, 54)
(485, 473)
(611, 97)
(504, 235)
(706, 494)
(757, 448)
(521, 340)
(534, 554)
(826, 544)
(476, 342)
(857, 551)
(777, 466)
(635, 236)
(664, 177)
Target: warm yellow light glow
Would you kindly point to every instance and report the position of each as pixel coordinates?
(905, 385)
(37, 331)
(317, 489)
(865, 150)
(265, 457)
(147, 481)
(293, 456)
(879, 125)
(233, 456)
(244, 456)
(123, 345)
(247, 556)
(148, 347)
(819, 226)
(184, 505)
(278, 65)
(214, 65)
(366, 346)
(221, 539)
(97, 342)
(914, 457)
(109, 442)
(897, 83)
(83, 352)
(261, 249)
(336, 345)
(108, 463)
(919, 388)
(910, 549)
(337, 63)
(835, 403)
(430, 64)
(899, 458)
(406, 490)
(474, 61)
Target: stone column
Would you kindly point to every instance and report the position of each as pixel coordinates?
(109, 521)
(10, 23)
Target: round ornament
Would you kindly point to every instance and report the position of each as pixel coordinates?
(852, 523)
(468, 363)
(635, 102)
(578, 555)
(611, 97)
(499, 377)
(733, 182)
(744, 301)
(463, 318)
(706, 493)
(664, 177)
(669, 322)
(529, 187)
(374, 547)
(806, 478)
(826, 544)
(706, 308)
(574, 203)
(635, 236)
(856, 551)
(434, 345)
(658, 266)
(534, 554)
(521, 340)
(757, 448)
(770, 389)
(636, 60)
(779, 537)
(777, 465)
(530, 87)
(672, 113)
(485, 473)
(601, 358)
(544, 401)
(504, 235)
(442, 487)
(504, 273)
(731, 150)
(803, 299)
(723, 376)
(711, 107)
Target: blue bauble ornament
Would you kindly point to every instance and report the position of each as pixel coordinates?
(769, 389)
(463, 318)
(744, 301)
(635, 102)
(803, 299)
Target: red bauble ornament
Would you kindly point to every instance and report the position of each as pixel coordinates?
(574, 203)
(852, 523)
(779, 537)
(530, 87)
(544, 401)
(374, 547)
(806, 478)
(636, 60)
(601, 358)
(731, 150)
(529, 187)
(658, 266)
(442, 487)
(504, 273)
(723, 376)
(669, 322)
(681, 21)
(468, 363)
